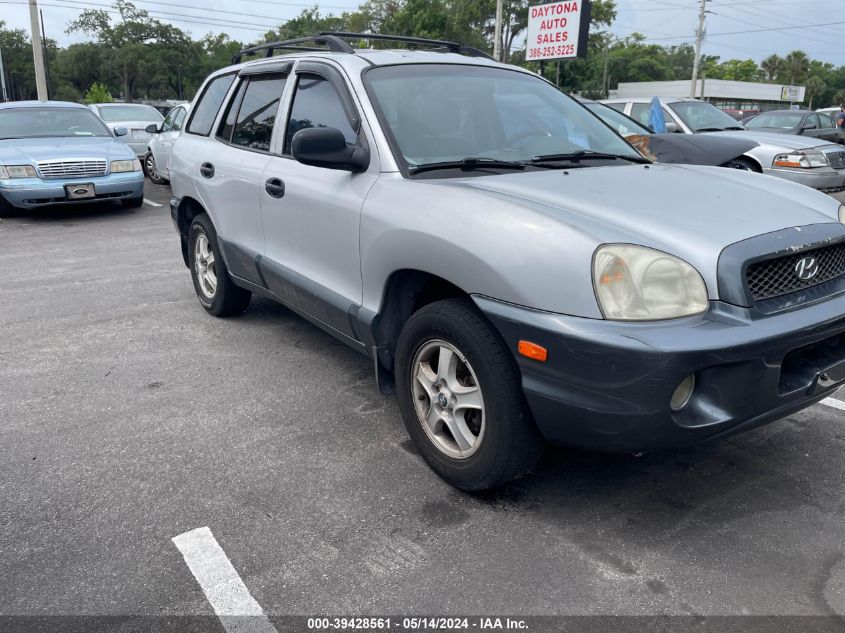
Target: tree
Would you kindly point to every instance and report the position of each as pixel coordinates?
(794, 68)
(771, 67)
(97, 93)
(815, 86)
(129, 38)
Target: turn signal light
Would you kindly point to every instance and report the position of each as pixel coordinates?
(533, 351)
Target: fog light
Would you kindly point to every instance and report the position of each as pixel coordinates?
(683, 393)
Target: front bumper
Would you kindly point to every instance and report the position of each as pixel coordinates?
(31, 193)
(607, 385)
(821, 178)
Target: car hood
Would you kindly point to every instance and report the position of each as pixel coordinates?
(789, 141)
(690, 149)
(690, 211)
(30, 150)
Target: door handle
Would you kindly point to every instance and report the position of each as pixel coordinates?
(207, 170)
(275, 187)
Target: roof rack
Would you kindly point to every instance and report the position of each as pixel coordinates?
(334, 42)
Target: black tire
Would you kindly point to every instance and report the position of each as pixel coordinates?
(743, 164)
(6, 209)
(227, 298)
(132, 203)
(150, 170)
(510, 443)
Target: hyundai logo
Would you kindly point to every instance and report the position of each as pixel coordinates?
(807, 268)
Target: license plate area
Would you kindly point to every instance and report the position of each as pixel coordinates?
(80, 191)
(815, 367)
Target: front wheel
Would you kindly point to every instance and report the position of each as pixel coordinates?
(151, 169)
(461, 397)
(132, 203)
(215, 289)
(743, 164)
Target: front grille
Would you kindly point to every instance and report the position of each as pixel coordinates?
(72, 168)
(837, 160)
(777, 277)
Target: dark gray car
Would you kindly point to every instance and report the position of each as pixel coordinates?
(799, 122)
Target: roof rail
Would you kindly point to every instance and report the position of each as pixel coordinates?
(334, 42)
(448, 46)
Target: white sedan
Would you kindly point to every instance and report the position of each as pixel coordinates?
(157, 159)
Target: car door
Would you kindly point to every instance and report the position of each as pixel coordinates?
(167, 138)
(312, 214)
(827, 128)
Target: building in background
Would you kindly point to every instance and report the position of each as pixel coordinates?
(740, 97)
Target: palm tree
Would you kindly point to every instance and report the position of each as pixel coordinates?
(795, 67)
(771, 67)
(815, 86)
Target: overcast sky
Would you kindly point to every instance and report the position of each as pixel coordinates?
(662, 21)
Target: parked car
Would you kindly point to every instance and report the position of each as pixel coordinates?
(510, 281)
(135, 117)
(808, 161)
(53, 152)
(685, 149)
(157, 159)
(799, 122)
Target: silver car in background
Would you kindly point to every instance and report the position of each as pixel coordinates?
(807, 161)
(134, 118)
(156, 161)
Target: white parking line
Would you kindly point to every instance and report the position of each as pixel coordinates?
(833, 402)
(151, 203)
(221, 584)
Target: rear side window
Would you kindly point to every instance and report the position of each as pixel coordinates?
(179, 120)
(208, 104)
(257, 113)
(316, 104)
(228, 123)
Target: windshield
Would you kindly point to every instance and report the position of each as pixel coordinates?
(50, 122)
(117, 113)
(441, 113)
(617, 120)
(703, 117)
(783, 120)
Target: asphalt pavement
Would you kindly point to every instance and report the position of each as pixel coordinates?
(129, 416)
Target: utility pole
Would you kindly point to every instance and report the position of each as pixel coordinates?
(3, 77)
(497, 35)
(37, 52)
(44, 51)
(699, 37)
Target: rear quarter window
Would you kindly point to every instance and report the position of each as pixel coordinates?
(208, 105)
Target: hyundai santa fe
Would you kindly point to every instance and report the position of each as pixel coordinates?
(514, 270)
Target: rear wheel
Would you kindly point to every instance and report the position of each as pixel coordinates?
(461, 397)
(215, 289)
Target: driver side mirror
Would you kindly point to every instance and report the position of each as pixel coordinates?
(120, 131)
(152, 128)
(326, 147)
(672, 127)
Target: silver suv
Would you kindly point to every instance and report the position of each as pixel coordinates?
(513, 268)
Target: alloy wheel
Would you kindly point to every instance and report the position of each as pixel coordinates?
(205, 266)
(448, 399)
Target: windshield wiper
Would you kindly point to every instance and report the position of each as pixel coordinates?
(718, 129)
(467, 164)
(584, 154)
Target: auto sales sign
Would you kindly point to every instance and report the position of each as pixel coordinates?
(558, 30)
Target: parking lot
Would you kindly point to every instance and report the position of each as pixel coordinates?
(129, 416)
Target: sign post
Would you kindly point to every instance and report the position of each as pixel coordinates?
(558, 30)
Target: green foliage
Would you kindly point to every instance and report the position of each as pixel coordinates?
(136, 55)
(97, 93)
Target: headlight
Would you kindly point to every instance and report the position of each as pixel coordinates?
(18, 171)
(118, 166)
(805, 159)
(635, 283)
